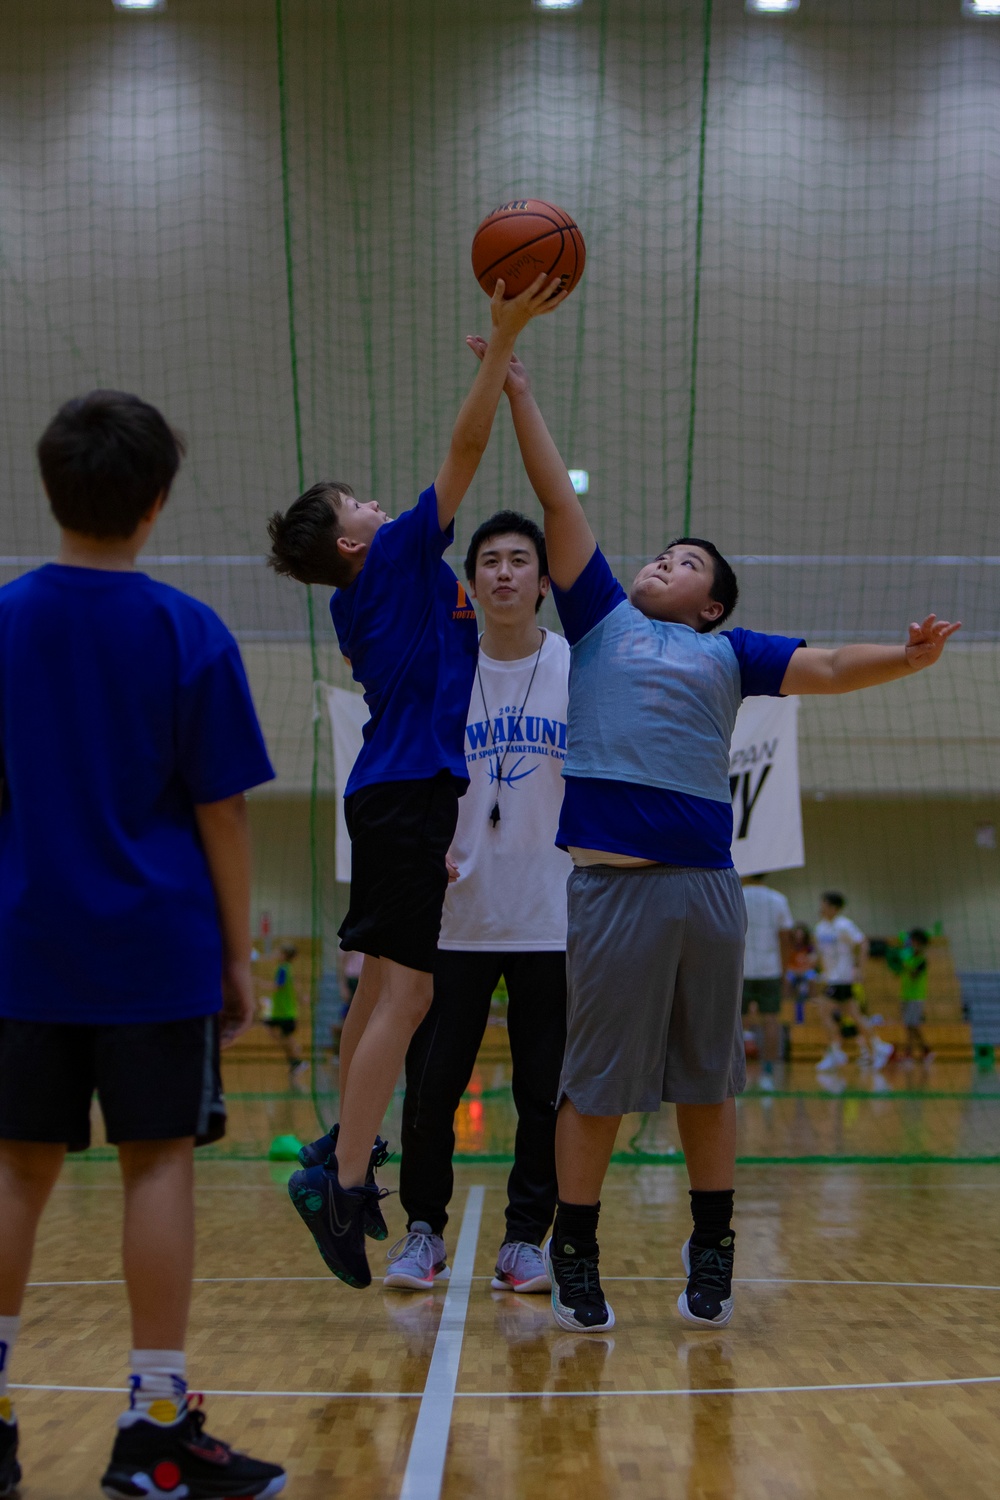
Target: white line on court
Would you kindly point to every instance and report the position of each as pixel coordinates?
(934, 1286)
(423, 1480)
(425, 1466)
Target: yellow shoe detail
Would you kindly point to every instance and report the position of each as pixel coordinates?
(6, 1410)
(163, 1411)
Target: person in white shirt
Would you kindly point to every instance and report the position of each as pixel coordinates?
(843, 948)
(769, 929)
(504, 916)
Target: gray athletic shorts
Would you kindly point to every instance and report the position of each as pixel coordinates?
(655, 966)
(913, 1012)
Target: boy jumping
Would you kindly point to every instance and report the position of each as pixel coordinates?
(408, 628)
(128, 739)
(656, 911)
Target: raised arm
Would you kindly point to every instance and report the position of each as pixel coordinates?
(569, 541)
(849, 668)
(475, 420)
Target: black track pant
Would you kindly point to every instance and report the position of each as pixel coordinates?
(439, 1066)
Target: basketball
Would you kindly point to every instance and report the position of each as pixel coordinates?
(520, 240)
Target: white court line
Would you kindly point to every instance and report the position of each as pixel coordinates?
(423, 1480)
(934, 1286)
(425, 1466)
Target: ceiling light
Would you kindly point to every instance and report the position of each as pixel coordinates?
(771, 7)
(556, 4)
(982, 9)
(139, 4)
(580, 480)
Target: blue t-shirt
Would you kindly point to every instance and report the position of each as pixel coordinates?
(408, 629)
(123, 704)
(652, 706)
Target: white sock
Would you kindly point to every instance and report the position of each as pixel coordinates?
(158, 1384)
(8, 1338)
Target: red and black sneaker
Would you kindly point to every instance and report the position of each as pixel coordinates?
(170, 1460)
(10, 1469)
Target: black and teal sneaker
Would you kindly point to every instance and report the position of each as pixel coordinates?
(168, 1460)
(708, 1297)
(10, 1469)
(578, 1300)
(323, 1150)
(335, 1217)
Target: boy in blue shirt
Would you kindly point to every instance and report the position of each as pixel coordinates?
(408, 628)
(656, 913)
(128, 738)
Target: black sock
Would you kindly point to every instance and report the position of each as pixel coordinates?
(712, 1214)
(575, 1231)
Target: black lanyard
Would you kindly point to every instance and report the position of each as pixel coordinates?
(495, 814)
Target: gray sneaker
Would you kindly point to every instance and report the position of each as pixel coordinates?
(521, 1268)
(418, 1260)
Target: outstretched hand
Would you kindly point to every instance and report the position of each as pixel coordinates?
(518, 381)
(542, 296)
(927, 640)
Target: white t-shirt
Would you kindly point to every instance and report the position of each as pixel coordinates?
(768, 914)
(510, 895)
(835, 943)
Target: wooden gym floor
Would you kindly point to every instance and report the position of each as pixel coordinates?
(863, 1359)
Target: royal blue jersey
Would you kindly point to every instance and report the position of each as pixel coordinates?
(123, 704)
(408, 629)
(652, 705)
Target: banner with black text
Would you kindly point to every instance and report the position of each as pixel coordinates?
(764, 780)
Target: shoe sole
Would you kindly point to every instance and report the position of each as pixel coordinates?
(402, 1281)
(149, 1490)
(565, 1319)
(297, 1193)
(533, 1284)
(725, 1315)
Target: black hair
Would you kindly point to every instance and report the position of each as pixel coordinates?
(304, 539)
(289, 951)
(725, 590)
(106, 458)
(919, 935)
(507, 523)
(834, 898)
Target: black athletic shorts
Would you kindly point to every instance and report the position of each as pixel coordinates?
(156, 1081)
(400, 833)
(840, 992)
(285, 1024)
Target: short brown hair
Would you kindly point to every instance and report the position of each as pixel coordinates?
(304, 539)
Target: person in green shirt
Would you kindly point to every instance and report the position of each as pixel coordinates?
(909, 961)
(283, 1016)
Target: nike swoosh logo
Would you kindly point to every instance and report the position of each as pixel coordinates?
(334, 1221)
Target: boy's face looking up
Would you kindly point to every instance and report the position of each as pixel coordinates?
(507, 584)
(676, 587)
(357, 523)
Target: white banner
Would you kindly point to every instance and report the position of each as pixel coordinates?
(764, 777)
(348, 716)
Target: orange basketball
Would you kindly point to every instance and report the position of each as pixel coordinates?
(519, 240)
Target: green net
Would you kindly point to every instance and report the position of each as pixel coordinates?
(258, 214)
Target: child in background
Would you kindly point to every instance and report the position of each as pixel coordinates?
(909, 960)
(802, 968)
(283, 1016)
(129, 737)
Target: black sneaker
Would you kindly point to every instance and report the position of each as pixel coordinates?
(10, 1469)
(577, 1300)
(708, 1297)
(335, 1218)
(164, 1461)
(319, 1153)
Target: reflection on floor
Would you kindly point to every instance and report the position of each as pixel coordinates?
(863, 1360)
